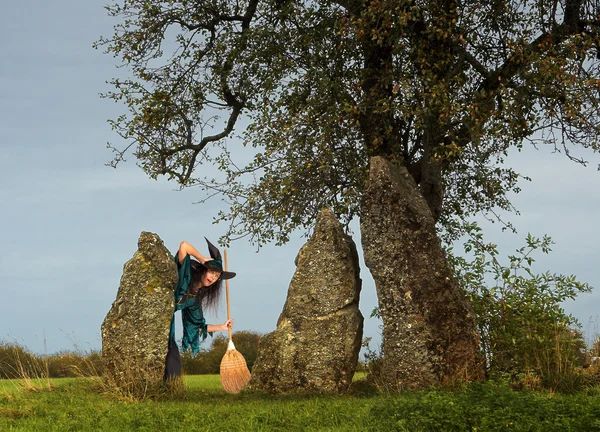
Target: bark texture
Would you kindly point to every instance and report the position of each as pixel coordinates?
(429, 332)
(135, 331)
(318, 337)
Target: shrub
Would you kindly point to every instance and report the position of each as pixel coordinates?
(18, 362)
(525, 332)
(74, 364)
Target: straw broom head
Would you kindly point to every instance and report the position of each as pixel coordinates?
(234, 370)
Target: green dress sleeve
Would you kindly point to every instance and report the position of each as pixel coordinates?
(192, 317)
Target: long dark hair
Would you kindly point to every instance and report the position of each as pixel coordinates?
(207, 297)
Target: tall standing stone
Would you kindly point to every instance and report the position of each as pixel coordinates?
(318, 337)
(429, 332)
(135, 331)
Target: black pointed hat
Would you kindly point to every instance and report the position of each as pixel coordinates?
(216, 263)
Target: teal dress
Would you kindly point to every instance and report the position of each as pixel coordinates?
(194, 324)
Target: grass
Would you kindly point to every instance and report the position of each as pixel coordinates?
(76, 404)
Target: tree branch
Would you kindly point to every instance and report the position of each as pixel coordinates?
(516, 63)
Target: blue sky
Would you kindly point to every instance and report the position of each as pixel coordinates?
(69, 223)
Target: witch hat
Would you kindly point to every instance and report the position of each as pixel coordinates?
(216, 263)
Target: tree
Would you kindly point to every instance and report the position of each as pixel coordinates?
(441, 88)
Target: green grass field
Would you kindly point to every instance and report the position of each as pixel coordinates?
(77, 404)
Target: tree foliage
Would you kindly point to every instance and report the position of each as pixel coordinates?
(519, 314)
(316, 87)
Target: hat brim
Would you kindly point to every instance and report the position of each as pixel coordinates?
(227, 275)
(224, 274)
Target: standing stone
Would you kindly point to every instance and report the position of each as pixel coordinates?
(429, 332)
(319, 332)
(135, 331)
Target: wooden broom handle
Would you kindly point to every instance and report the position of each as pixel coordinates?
(227, 294)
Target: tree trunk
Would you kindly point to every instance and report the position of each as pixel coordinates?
(429, 332)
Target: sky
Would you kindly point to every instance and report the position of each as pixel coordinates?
(69, 223)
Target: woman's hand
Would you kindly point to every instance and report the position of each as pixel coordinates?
(227, 325)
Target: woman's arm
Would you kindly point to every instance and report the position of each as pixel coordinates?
(219, 327)
(187, 249)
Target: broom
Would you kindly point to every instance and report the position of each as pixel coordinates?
(234, 371)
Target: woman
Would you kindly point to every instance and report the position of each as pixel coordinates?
(198, 286)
